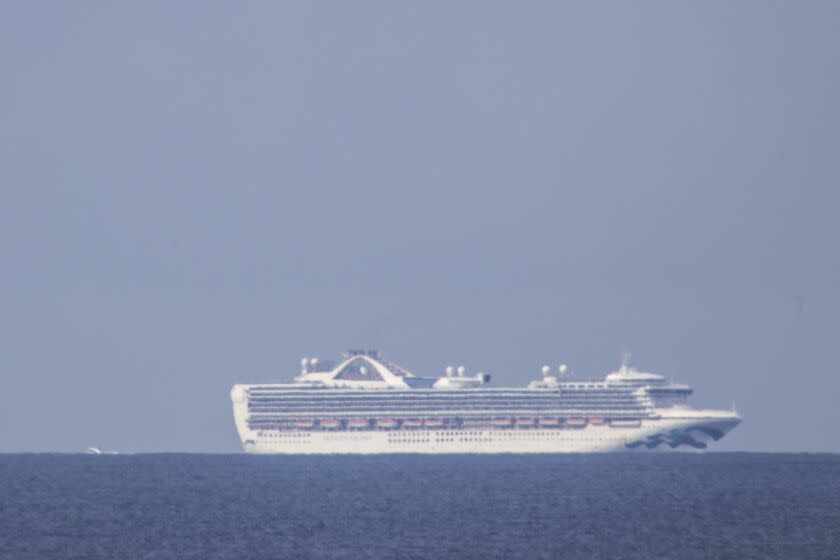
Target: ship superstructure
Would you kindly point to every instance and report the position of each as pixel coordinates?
(365, 404)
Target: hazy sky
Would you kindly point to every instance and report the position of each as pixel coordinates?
(195, 194)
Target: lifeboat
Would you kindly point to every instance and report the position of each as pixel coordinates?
(388, 423)
(304, 424)
(412, 423)
(550, 422)
(598, 421)
(576, 422)
(331, 423)
(502, 422)
(525, 422)
(358, 423)
(435, 423)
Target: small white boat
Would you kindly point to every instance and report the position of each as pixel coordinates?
(412, 423)
(598, 421)
(434, 423)
(550, 422)
(502, 422)
(304, 424)
(526, 422)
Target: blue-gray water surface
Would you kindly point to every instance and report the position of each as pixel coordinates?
(251, 507)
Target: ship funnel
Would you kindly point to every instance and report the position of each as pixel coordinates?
(562, 368)
(461, 370)
(449, 371)
(545, 370)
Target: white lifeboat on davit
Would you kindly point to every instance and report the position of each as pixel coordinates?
(331, 423)
(358, 423)
(388, 423)
(576, 422)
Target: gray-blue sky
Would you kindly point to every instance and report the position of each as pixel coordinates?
(197, 194)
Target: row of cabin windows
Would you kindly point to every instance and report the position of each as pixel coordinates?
(541, 399)
(492, 439)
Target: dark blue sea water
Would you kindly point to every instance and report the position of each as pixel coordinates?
(246, 507)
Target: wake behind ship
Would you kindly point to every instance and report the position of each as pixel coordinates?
(365, 404)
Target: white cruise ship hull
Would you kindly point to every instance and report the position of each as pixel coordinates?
(684, 434)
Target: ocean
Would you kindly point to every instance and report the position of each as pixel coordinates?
(644, 506)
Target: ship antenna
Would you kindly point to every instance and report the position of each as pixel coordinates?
(625, 360)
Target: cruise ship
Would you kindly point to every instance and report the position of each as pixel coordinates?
(365, 404)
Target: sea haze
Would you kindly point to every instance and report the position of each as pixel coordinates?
(195, 194)
(260, 507)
